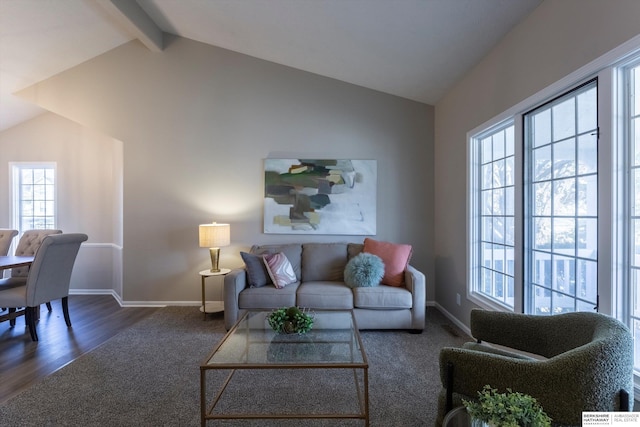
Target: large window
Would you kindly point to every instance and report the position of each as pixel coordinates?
(34, 201)
(561, 208)
(575, 182)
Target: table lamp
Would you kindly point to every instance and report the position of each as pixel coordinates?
(213, 236)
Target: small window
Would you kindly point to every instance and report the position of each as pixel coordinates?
(34, 195)
(493, 215)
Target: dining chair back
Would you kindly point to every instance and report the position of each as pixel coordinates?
(48, 279)
(6, 237)
(28, 245)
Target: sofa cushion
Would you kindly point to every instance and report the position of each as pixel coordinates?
(327, 294)
(257, 274)
(354, 249)
(395, 257)
(292, 251)
(383, 297)
(268, 297)
(280, 269)
(323, 261)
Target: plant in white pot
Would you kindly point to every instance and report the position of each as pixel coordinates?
(510, 409)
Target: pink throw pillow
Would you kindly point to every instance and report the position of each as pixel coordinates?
(280, 269)
(395, 257)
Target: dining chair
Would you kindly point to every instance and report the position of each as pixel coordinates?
(6, 237)
(28, 245)
(48, 279)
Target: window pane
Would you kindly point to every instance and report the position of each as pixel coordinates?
(564, 197)
(542, 163)
(587, 154)
(564, 162)
(564, 116)
(498, 145)
(587, 111)
(588, 195)
(542, 199)
(542, 233)
(586, 283)
(587, 231)
(564, 232)
(541, 128)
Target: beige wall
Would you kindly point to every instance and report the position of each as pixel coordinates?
(559, 37)
(89, 191)
(197, 121)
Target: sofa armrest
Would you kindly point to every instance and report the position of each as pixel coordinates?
(234, 282)
(416, 284)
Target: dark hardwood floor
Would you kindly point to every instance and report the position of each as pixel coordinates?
(94, 319)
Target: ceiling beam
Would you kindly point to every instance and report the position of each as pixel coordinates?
(135, 20)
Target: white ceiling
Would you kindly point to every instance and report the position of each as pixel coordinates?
(416, 49)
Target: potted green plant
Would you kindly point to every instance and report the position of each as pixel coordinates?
(510, 409)
(290, 320)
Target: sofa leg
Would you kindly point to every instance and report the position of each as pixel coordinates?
(624, 401)
(449, 404)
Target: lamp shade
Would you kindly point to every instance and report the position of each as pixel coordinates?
(214, 235)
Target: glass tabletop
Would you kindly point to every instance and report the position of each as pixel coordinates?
(333, 341)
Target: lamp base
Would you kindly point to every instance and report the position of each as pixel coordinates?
(215, 256)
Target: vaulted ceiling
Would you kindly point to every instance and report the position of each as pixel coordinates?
(416, 49)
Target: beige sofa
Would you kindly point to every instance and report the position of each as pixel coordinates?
(319, 268)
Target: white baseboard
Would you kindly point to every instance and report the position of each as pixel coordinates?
(453, 319)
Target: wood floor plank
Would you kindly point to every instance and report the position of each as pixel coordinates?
(94, 319)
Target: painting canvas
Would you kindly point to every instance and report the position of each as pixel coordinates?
(320, 196)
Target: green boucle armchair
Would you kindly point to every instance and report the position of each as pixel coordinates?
(586, 363)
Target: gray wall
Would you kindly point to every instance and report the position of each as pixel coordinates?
(89, 189)
(558, 38)
(197, 121)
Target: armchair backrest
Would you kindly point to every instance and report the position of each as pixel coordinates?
(50, 273)
(6, 237)
(28, 245)
(547, 336)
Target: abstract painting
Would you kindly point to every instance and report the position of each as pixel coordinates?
(320, 196)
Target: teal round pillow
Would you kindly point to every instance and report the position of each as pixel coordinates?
(364, 270)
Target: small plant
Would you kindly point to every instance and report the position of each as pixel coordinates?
(290, 320)
(510, 409)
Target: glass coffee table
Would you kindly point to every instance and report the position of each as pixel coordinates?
(251, 345)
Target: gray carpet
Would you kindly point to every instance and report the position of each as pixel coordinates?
(149, 375)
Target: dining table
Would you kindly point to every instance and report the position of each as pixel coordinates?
(11, 261)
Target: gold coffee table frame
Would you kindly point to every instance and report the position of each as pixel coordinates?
(242, 348)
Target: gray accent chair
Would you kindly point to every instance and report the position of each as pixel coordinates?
(586, 362)
(48, 279)
(6, 237)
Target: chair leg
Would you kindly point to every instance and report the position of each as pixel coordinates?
(624, 401)
(49, 306)
(30, 317)
(65, 311)
(12, 322)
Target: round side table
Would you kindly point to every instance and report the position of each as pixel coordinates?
(211, 306)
